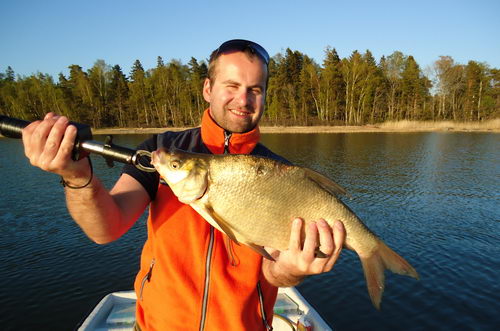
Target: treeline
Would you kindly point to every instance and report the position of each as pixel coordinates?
(353, 90)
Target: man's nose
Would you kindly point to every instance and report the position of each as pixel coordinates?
(242, 98)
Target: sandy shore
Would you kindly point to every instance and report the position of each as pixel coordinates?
(385, 127)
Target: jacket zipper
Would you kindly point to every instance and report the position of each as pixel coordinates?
(262, 309)
(227, 136)
(208, 261)
(234, 262)
(147, 277)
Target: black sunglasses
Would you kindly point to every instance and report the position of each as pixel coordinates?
(241, 45)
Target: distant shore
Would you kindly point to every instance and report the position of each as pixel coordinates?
(399, 126)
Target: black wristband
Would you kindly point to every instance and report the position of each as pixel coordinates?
(65, 184)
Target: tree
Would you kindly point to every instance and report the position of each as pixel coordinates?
(331, 87)
(293, 62)
(139, 97)
(81, 95)
(412, 88)
(309, 90)
(9, 74)
(393, 67)
(118, 98)
(100, 78)
(197, 75)
(159, 89)
(356, 73)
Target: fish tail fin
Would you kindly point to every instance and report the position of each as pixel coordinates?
(374, 266)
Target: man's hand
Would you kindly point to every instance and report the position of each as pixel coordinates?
(48, 145)
(294, 264)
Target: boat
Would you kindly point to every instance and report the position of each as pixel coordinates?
(116, 311)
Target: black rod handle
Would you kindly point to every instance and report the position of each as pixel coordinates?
(12, 127)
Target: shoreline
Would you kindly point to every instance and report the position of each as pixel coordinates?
(491, 126)
(386, 127)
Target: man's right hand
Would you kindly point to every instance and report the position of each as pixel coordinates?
(48, 145)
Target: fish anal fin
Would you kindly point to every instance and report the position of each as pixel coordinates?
(326, 183)
(208, 213)
(374, 276)
(260, 250)
(374, 266)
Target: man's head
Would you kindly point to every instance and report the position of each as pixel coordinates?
(236, 86)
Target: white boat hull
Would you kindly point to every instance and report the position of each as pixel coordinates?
(116, 311)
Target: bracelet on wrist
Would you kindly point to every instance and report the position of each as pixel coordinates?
(65, 184)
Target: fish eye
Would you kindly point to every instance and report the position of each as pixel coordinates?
(175, 164)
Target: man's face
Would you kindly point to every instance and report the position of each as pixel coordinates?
(238, 93)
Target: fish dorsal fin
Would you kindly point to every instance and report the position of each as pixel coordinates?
(207, 212)
(325, 183)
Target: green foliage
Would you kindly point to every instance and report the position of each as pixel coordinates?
(351, 90)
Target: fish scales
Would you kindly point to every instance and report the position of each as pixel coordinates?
(262, 197)
(254, 201)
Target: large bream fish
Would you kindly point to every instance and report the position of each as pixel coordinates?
(254, 201)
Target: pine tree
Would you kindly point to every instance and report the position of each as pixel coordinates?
(9, 74)
(332, 88)
(118, 98)
(139, 98)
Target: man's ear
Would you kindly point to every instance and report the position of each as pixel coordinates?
(207, 89)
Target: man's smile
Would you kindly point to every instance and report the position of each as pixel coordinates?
(239, 112)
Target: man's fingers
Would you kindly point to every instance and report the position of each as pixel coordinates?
(49, 115)
(67, 144)
(295, 235)
(26, 136)
(41, 133)
(326, 244)
(311, 241)
(339, 235)
(53, 142)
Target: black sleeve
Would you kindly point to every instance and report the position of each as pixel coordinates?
(149, 180)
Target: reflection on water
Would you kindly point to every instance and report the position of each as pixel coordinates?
(433, 197)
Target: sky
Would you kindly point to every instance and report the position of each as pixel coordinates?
(48, 36)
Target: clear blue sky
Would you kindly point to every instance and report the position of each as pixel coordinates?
(48, 36)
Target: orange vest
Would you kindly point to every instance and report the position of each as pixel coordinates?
(192, 276)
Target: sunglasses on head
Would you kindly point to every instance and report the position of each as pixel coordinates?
(241, 45)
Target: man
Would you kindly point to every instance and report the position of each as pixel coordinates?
(192, 276)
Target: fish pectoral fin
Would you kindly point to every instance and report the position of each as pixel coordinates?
(326, 183)
(261, 251)
(206, 210)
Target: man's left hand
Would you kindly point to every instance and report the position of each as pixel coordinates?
(298, 261)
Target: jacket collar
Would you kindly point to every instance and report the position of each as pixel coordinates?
(213, 137)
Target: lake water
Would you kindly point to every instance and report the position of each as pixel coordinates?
(432, 197)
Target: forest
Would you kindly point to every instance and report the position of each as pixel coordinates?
(355, 90)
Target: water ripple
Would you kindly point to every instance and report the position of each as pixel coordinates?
(432, 197)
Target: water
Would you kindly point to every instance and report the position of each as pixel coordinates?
(433, 197)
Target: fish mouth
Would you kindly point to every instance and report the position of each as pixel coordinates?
(154, 158)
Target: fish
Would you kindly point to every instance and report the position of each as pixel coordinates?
(254, 200)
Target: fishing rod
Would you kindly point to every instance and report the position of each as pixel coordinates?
(84, 145)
